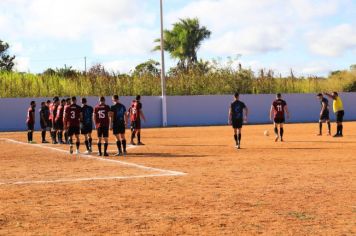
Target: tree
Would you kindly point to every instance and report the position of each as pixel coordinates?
(148, 67)
(67, 71)
(6, 61)
(184, 40)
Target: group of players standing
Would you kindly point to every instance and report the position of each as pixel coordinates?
(68, 118)
(238, 113)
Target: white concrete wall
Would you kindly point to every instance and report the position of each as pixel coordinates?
(190, 110)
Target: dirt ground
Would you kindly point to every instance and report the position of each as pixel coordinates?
(304, 186)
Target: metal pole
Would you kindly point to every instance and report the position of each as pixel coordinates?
(163, 79)
(85, 65)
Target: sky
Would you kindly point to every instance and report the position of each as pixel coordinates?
(311, 37)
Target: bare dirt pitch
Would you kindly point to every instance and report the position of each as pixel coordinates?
(304, 186)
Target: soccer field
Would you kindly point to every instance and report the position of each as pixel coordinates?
(184, 181)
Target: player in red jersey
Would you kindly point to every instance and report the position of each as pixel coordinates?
(72, 118)
(52, 116)
(101, 120)
(59, 121)
(30, 121)
(277, 114)
(68, 102)
(136, 113)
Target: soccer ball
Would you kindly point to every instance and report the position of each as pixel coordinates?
(266, 133)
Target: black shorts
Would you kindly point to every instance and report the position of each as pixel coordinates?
(119, 128)
(30, 126)
(44, 125)
(73, 130)
(136, 124)
(237, 123)
(86, 129)
(279, 120)
(103, 132)
(325, 116)
(340, 116)
(59, 124)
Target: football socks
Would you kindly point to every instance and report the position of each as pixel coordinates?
(118, 144)
(124, 144)
(281, 130)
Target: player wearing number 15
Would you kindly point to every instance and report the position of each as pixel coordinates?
(277, 113)
(101, 120)
(72, 118)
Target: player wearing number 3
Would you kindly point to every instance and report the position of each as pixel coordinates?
(72, 118)
(101, 120)
(277, 114)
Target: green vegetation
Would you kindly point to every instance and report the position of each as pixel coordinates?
(6, 61)
(217, 80)
(183, 41)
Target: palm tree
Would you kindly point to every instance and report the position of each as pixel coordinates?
(184, 40)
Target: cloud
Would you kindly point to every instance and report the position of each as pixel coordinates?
(122, 66)
(334, 41)
(16, 48)
(133, 41)
(68, 19)
(248, 41)
(22, 64)
(255, 26)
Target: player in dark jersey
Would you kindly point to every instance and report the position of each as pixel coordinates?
(44, 120)
(30, 121)
(277, 114)
(68, 102)
(136, 113)
(72, 118)
(238, 113)
(59, 121)
(52, 117)
(87, 125)
(118, 121)
(324, 114)
(101, 120)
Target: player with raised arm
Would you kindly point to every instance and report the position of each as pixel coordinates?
(30, 121)
(136, 113)
(118, 121)
(72, 117)
(338, 108)
(59, 121)
(324, 114)
(87, 125)
(44, 120)
(101, 120)
(277, 114)
(238, 113)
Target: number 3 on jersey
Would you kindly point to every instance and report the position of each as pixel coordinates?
(72, 115)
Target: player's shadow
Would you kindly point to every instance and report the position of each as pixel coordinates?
(298, 148)
(165, 155)
(320, 141)
(194, 145)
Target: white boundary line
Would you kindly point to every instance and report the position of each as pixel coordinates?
(91, 157)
